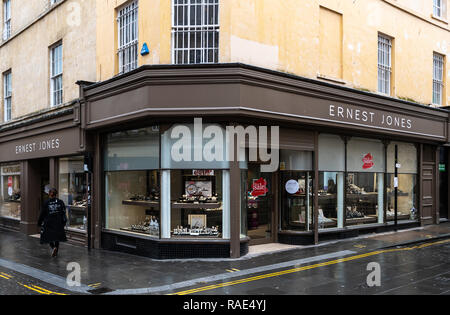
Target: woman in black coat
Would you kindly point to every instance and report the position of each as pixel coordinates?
(52, 222)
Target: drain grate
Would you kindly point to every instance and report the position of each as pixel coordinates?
(100, 290)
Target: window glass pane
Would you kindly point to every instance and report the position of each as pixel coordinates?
(365, 155)
(407, 197)
(132, 150)
(292, 160)
(364, 198)
(297, 200)
(183, 148)
(331, 200)
(407, 157)
(196, 203)
(331, 153)
(72, 190)
(132, 201)
(10, 190)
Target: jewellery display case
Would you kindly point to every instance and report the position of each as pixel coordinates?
(196, 204)
(146, 216)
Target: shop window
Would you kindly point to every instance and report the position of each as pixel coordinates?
(197, 184)
(132, 181)
(407, 182)
(10, 189)
(365, 181)
(196, 203)
(331, 181)
(72, 190)
(296, 190)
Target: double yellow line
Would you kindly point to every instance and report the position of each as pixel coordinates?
(40, 290)
(298, 269)
(32, 287)
(5, 276)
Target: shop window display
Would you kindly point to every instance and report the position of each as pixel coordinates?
(365, 181)
(196, 203)
(330, 199)
(362, 198)
(72, 190)
(10, 190)
(132, 181)
(296, 190)
(195, 189)
(407, 182)
(132, 201)
(331, 181)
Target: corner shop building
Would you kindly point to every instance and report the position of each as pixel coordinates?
(336, 175)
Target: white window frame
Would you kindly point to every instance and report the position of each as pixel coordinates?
(6, 19)
(7, 96)
(128, 37)
(384, 64)
(56, 74)
(197, 42)
(438, 79)
(437, 8)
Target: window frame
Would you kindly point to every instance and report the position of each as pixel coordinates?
(194, 32)
(126, 28)
(437, 8)
(384, 64)
(7, 97)
(56, 76)
(438, 79)
(6, 19)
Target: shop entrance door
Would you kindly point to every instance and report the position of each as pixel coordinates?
(260, 205)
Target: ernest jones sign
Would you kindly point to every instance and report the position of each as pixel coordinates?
(63, 142)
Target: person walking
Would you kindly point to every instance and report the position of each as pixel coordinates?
(52, 221)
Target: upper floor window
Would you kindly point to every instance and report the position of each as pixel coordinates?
(384, 64)
(195, 31)
(127, 22)
(56, 74)
(437, 8)
(438, 78)
(6, 19)
(7, 95)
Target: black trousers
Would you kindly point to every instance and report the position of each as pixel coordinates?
(54, 244)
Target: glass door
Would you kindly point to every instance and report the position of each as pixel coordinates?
(259, 205)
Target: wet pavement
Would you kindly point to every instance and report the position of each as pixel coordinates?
(338, 267)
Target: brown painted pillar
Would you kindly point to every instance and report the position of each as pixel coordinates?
(30, 198)
(316, 188)
(54, 173)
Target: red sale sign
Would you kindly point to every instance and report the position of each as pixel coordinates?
(368, 161)
(259, 187)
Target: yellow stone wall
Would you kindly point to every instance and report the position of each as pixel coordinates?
(288, 36)
(35, 27)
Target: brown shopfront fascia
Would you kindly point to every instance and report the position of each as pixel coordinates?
(231, 94)
(36, 144)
